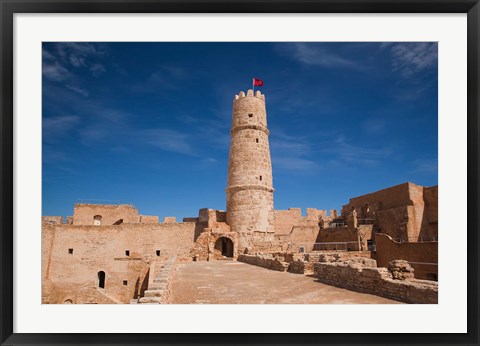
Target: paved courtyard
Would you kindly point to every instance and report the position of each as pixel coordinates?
(230, 282)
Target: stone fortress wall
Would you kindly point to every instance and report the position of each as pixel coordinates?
(108, 214)
(406, 212)
(74, 255)
(396, 223)
(285, 220)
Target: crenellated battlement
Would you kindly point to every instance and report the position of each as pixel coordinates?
(250, 93)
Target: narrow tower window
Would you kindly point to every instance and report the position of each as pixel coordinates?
(70, 251)
(127, 252)
(256, 140)
(158, 252)
(125, 283)
(260, 178)
(101, 279)
(250, 115)
(97, 220)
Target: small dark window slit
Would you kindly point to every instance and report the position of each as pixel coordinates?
(101, 279)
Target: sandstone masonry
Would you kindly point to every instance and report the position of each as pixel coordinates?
(110, 254)
(250, 185)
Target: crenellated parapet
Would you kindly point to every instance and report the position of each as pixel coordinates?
(250, 93)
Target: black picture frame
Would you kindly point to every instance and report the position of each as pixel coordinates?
(10, 7)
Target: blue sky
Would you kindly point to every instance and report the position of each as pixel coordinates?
(148, 123)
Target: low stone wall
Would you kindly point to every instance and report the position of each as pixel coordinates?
(301, 267)
(265, 261)
(377, 281)
(336, 256)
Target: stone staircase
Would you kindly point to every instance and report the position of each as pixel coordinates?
(157, 292)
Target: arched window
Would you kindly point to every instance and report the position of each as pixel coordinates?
(101, 279)
(97, 220)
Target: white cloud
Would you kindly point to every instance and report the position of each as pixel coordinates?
(410, 58)
(93, 134)
(210, 160)
(57, 126)
(76, 61)
(97, 69)
(47, 56)
(314, 54)
(297, 164)
(292, 153)
(76, 49)
(165, 77)
(75, 55)
(355, 154)
(77, 90)
(427, 166)
(55, 72)
(168, 140)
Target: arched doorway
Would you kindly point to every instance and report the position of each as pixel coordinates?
(224, 247)
(101, 279)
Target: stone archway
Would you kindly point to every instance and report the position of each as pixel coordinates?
(223, 247)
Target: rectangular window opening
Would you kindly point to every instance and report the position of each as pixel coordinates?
(250, 115)
(125, 282)
(256, 140)
(70, 251)
(260, 178)
(127, 252)
(158, 252)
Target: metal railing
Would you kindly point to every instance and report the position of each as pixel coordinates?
(419, 239)
(424, 263)
(336, 224)
(364, 221)
(330, 246)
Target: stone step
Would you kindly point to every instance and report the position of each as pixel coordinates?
(160, 281)
(155, 293)
(150, 300)
(158, 287)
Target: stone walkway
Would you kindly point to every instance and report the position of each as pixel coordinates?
(230, 282)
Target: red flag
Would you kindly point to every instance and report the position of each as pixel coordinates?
(257, 82)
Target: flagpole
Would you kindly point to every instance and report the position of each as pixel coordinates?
(253, 85)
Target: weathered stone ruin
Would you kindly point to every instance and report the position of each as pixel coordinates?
(381, 243)
(401, 270)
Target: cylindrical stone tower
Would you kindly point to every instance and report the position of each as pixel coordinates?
(250, 188)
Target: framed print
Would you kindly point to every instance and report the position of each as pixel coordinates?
(271, 172)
